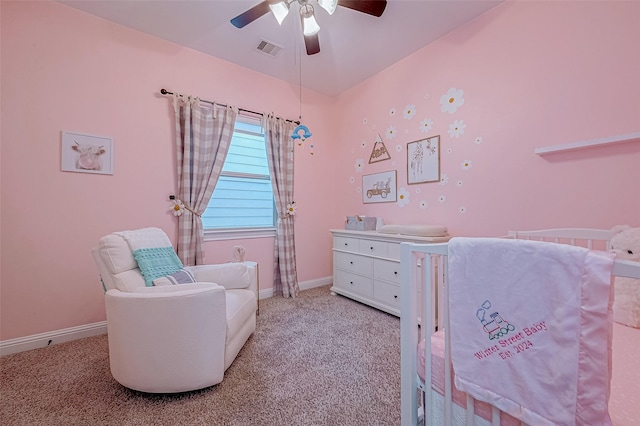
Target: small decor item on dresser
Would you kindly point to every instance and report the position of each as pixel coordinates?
(361, 223)
(237, 254)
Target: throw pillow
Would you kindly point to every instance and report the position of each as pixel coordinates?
(180, 277)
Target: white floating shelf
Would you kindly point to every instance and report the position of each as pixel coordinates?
(612, 140)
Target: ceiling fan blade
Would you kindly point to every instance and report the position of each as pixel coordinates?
(312, 43)
(251, 15)
(370, 7)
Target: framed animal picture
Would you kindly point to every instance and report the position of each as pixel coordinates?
(423, 160)
(87, 153)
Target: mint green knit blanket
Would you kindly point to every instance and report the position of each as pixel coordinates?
(157, 262)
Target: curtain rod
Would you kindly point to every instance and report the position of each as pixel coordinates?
(166, 92)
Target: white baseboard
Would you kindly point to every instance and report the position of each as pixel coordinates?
(318, 282)
(305, 285)
(41, 340)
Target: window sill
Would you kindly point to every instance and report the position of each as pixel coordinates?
(238, 234)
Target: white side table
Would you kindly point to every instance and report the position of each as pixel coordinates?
(254, 270)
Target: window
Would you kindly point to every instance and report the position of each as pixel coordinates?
(242, 201)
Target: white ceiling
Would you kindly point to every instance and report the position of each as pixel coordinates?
(354, 45)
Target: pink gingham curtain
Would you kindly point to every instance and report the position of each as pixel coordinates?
(280, 154)
(203, 135)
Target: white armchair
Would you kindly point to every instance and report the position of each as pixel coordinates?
(173, 338)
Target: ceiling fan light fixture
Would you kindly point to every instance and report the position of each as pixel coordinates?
(328, 5)
(280, 10)
(309, 24)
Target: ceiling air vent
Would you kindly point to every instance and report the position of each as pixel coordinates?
(269, 48)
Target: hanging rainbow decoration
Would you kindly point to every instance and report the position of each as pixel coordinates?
(296, 132)
(302, 133)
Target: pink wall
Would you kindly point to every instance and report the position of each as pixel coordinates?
(533, 74)
(65, 70)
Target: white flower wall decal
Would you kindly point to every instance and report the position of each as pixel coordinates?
(409, 111)
(452, 100)
(403, 197)
(466, 165)
(423, 204)
(391, 132)
(359, 165)
(457, 128)
(426, 125)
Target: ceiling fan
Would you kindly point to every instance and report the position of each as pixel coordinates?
(310, 27)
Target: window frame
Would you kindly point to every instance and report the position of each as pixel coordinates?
(218, 234)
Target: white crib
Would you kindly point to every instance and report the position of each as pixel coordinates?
(424, 273)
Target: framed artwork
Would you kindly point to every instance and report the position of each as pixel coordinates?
(379, 187)
(423, 160)
(87, 153)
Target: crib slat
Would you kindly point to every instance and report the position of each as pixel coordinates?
(408, 334)
(470, 410)
(495, 416)
(427, 329)
(447, 354)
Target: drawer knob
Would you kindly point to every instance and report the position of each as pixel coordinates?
(351, 262)
(371, 248)
(395, 296)
(395, 272)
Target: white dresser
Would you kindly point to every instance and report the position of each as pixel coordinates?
(366, 266)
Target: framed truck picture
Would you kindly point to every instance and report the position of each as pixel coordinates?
(379, 187)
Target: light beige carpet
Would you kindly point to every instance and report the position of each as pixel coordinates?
(314, 360)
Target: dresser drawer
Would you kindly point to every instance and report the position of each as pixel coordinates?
(373, 248)
(393, 251)
(347, 244)
(386, 293)
(353, 283)
(353, 263)
(386, 270)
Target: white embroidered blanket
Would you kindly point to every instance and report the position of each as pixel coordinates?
(145, 238)
(153, 252)
(531, 328)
